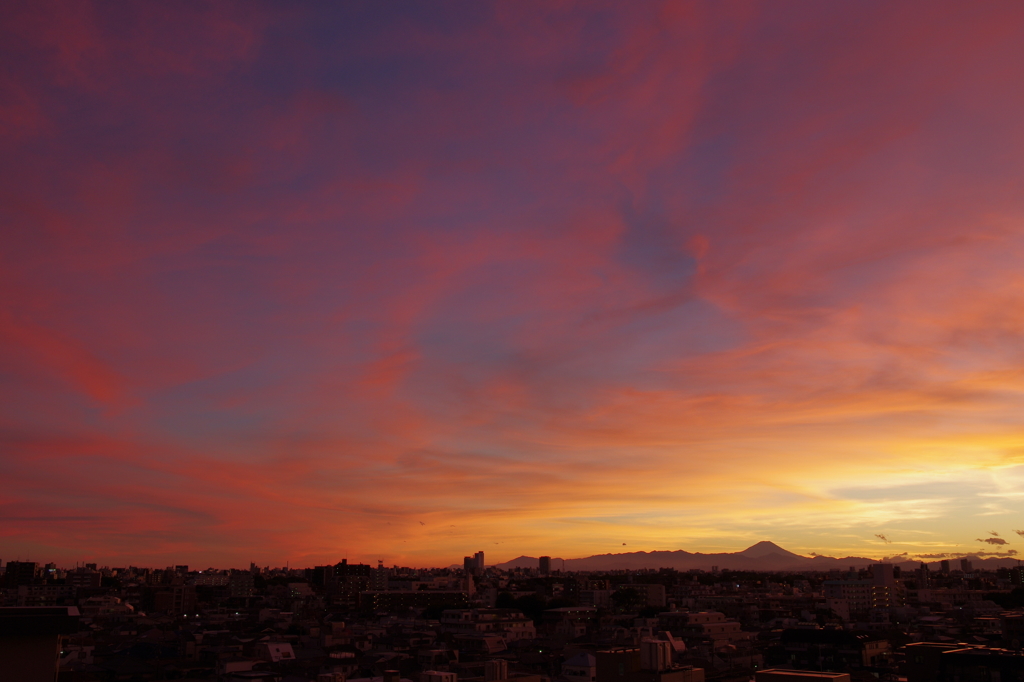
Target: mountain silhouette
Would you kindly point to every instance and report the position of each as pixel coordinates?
(766, 548)
(762, 556)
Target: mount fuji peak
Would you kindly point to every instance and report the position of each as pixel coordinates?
(765, 548)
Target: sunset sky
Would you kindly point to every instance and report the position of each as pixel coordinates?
(292, 282)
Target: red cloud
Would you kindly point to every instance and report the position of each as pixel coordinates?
(539, 271)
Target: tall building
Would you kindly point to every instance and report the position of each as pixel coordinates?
(241, 584)
(883, 575)
(84, 578)
(965, 566)
(323, 575)
(19, 573)
(474, 565)
(380, 578)
(344, 570)
(1017, 575)
(923, 576)
(177, 599)
(881, 591)
(545, 565)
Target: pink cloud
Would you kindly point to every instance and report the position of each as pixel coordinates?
(518, 271)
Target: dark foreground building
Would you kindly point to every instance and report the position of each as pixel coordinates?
(30, 638)
(928, 662)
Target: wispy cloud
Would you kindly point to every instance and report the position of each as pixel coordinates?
(284, 282)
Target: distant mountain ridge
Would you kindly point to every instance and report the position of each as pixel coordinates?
(762, 556)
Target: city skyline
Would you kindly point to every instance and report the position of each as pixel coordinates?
(764, 556)
(296, 283)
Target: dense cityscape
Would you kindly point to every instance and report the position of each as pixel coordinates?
(351, 622)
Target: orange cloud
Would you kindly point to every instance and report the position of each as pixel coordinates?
(518, 278)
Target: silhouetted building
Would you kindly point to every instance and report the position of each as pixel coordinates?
(323, 576)
(799, 676)
(571, 589)
(510, 623)
(545, 565)
(437, 676)
(880, 592)
(580, 668)
(344, 570)
(883, 575)
(703, 625)
(924, 576)
(474, 565)
(403, 602)
(630, 664)
(241, 584)
(175, 599)
(833, 649)
(929, 662)
(46, 595)
(19, 573)
(1017, 575)
(496, 670)
(83, 578)
(650, 594)
(1011, 627)
(30, 639)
